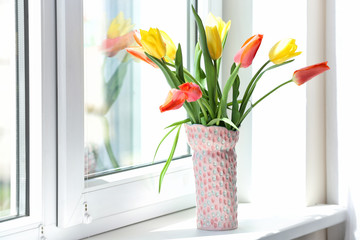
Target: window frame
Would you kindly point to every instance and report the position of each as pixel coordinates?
(33, 49)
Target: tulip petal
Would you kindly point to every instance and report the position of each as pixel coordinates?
(139, 53)
(174, 100)
(112, 46)
(170, 46)
(153, 43)
(305, 74)
(248, 51)
(191, 90)
(213, 42)
(219, 23)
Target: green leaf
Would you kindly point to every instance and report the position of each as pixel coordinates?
(235, 114)
(179, 64)
(199, 73)
(211, 76)
(228, 85)
(196, 110)
(163, 140)
(225, 120)
(113, 86)
(179, 123)
(167, 164)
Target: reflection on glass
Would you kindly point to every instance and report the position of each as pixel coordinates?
(123, 124)
(8, 108)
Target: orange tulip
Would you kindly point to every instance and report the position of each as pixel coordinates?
(174, 100)
(248, 51)
(191, 90)
(139, 53)
(305, 74)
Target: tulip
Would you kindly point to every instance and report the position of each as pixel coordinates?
(220, 25)
(153, 43)
(305, 74)
(174, 100)
(191, 90)
(170, 46)
(213, 42)
(139, 53)
(283, 50)
(248, 51)
(119, 35)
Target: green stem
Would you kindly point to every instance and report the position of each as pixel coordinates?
(246, 96)
(108, 147)
(218, 89)
(266, 95)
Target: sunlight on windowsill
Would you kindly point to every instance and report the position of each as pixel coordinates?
(254, 223)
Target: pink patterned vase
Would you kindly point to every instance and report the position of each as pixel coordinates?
(214, 160)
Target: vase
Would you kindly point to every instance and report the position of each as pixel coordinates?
(214, 162)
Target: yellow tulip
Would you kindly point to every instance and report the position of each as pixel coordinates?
(119, 26)
(283, 50)
(213, 42)
(170, 46)
(153, 43)
(221, 26)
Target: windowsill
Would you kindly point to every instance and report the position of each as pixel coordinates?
(254, 223)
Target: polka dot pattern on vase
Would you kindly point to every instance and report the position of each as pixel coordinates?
(214, 161)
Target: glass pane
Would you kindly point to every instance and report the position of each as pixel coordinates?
(123, 124)
(13, 117)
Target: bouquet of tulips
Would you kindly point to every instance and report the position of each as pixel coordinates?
(200, 93)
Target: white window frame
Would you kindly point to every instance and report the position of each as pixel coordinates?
(116, 197)
(34, 219)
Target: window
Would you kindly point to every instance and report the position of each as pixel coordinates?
(108, 114)
(13, 105)
(72, 176)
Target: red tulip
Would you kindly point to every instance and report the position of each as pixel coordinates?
(191, 90)
(174, 100)
(139, 53)
(111, 46)
(305, 74)
(248, 51)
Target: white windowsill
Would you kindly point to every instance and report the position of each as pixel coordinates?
(254, 223)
